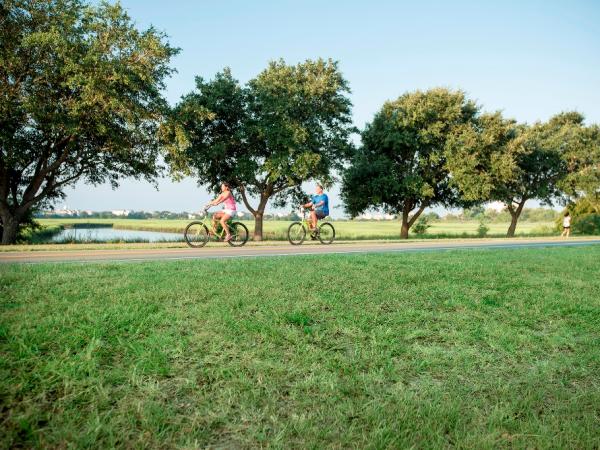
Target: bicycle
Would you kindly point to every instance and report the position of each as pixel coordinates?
(325, 232)
(199, 232)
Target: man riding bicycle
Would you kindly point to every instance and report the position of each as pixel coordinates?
(319, 206)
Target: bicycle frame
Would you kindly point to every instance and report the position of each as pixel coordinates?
(305, 219)
(218, 233)
(296, 237)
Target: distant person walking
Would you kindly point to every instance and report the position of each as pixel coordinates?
(566, 225)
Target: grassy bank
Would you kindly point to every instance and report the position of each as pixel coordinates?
(42, 234)
(277, 230)
(476, 349)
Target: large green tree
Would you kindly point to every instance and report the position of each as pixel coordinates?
(401, 165)
(497, 159)
(290, 124)
(582, 155)
(80, 98)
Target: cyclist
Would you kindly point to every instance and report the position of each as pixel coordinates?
(229, 209)
(319, 207)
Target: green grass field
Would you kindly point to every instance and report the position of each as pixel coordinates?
(344, 229)
(466, 349)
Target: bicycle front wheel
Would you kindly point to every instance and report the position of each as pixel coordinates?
(239, 234)
(296, 233)
(326, 233)
(196, 234)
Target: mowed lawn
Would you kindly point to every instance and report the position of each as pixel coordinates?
(467, 349)
(277, 229)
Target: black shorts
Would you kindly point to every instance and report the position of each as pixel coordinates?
(320, 214)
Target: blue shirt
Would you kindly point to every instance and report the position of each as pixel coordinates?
(321, 198)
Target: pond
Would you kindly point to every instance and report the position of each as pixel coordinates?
(112, 234)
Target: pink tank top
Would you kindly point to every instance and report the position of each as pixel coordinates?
(230, 203)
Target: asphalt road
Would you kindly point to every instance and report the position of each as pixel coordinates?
(251, 251)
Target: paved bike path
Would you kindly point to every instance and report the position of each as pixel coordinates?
(276, 250)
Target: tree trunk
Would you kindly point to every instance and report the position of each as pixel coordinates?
(406, 222)
(259, 215)
(405, 225)
(258, 225)
(514, 215)
(404, 230)
(10, 227)
(259, 212)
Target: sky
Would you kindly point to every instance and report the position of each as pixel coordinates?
(530, 59)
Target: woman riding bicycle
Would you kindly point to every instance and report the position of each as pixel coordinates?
(229, 209)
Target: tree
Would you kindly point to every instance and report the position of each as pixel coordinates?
(582, 155)
(401, 166)
(496, 159)
(80, 98)
(288, 125)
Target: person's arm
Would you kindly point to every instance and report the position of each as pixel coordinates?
(220, 199)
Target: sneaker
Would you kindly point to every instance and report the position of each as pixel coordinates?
(228, 238)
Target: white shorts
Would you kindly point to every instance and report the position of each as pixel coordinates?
(229, 212)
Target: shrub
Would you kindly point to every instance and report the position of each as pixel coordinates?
(420, 228)
(588, 224)
(482, 229)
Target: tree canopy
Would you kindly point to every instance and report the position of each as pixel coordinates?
(401, 165)
(581, 145)
(290, 124)
(80, 98)
(494, 158)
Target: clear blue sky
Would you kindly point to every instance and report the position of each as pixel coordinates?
(530, 59)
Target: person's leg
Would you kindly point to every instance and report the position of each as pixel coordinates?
(568, 231)
(313, 219)
(224, 218)
(216, 216)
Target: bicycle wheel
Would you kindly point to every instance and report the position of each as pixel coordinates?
(326, 233)
(239, 234)
(296, 233)
(196, 234)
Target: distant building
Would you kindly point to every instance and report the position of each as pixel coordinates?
(376, 216)
(120, 212)
(65, 211)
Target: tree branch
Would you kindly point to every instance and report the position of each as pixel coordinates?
(417, 214)
(42, 171)
(50, 186)
(245, 200)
